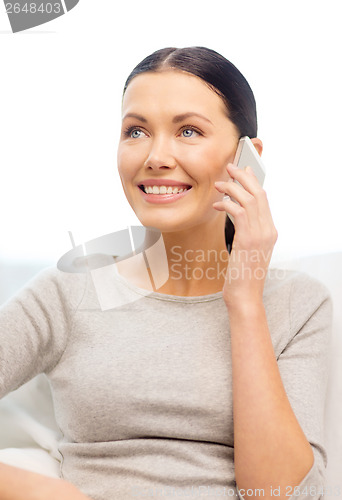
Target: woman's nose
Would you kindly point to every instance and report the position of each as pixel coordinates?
(161, 154)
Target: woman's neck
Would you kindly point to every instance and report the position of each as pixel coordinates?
(187, 265)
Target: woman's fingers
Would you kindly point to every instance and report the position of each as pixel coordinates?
(245, 177)
(246, 209)
(238, 212)
(248, 193)
(252, 215)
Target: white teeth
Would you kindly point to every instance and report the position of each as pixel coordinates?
(163, 190)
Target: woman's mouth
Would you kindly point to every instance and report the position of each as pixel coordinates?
(163, 194)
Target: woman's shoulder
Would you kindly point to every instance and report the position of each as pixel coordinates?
(295, 282)
(52, 284)
(298, 293)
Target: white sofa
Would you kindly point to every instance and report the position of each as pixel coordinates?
(28, 431)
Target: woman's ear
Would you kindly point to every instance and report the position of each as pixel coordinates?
(258, 145)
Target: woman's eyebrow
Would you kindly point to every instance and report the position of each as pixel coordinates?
(136, 116)
(176, 119)
(184, 116)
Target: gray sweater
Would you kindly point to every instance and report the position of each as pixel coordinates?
(143, 390)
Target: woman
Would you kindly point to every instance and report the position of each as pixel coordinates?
(214, 384)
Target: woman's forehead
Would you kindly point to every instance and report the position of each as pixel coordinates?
(171, 88)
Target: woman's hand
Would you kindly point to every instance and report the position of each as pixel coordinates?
(22, 484)
(58, 489)
(254, 240)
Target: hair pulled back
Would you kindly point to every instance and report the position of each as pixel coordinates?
(221, 76)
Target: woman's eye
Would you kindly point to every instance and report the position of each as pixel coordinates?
(135, 134)
(190, 132)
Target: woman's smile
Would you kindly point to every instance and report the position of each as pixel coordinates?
(163, 190)
(163, 194)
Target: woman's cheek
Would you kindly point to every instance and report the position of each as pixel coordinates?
(129, 159)
(194, 155)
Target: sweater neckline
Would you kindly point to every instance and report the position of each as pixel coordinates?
(164, 296)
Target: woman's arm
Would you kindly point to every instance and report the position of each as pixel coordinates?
(34, 328)
(270, 447)
(20, 484)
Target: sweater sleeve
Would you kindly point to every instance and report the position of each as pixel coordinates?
(303, 365)
(34, 326)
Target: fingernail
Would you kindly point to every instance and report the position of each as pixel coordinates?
(231, 165)
(219, 183)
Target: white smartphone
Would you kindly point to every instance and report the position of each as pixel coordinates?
(247, 155)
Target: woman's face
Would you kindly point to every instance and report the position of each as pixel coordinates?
(175, 131)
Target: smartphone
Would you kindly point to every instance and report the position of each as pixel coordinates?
(247, 155)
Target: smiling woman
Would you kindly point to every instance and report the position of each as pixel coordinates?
(213, 384)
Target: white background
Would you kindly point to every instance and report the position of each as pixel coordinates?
(60, 97)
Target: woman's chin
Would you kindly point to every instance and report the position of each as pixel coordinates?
(160, 222)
